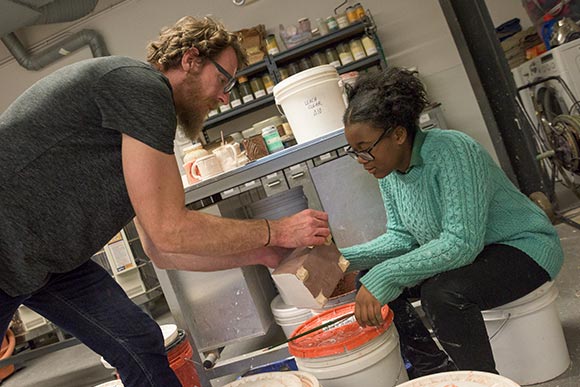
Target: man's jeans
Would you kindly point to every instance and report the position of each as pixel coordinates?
(89, 304)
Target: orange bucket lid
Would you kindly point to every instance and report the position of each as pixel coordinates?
(337, 338)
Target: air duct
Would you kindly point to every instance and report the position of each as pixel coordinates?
(17, 14)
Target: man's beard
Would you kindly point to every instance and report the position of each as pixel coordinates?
(191, 115)
(191, 123)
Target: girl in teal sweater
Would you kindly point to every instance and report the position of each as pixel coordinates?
(460, 236)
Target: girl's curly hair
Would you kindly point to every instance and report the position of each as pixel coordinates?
(386, 100)
(207, 35)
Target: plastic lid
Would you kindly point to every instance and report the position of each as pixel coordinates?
(275, 120)
(169, 333)
(461, 379)
(338, 338)
(269, 379)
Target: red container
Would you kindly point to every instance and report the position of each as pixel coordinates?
(179, 354)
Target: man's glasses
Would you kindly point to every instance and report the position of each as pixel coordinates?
(365, 154)
(231, 81)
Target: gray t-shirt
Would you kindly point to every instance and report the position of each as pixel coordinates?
(62, 192)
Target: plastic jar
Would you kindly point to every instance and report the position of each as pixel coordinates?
(235, 97)
(272, 121)
(272, 139)
(357, 50)
(369, 45)
(332, 57)
(268, 83)
(331, 23)
(272, 45)
(245, 90)
(258, 87)
(344, 54)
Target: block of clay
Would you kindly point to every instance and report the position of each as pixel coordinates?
(307, 278)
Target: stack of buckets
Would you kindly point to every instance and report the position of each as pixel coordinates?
(179, 354)
(345, 354)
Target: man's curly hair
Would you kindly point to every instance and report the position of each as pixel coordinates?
(386, 100)
(207, 35)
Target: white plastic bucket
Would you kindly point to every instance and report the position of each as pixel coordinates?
(288, 317)
(113, 383)
(527, 339)
(277, 379)
(461, 379)
(346, 355)
(312, 101)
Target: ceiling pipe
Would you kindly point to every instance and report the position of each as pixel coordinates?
(56, 11)
(53, 53)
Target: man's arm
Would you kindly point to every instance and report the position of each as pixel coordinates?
(157, 195)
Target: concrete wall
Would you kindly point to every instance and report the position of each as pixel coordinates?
(414, 33)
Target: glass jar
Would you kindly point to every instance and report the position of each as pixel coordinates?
(332, 57)
(369, 45)
(322, 26)
(304, 26)
(225, 108)
(272, 139)
(304, 64)
(357, 50)
(360, 11)
(235, 97)
(272, 45)
(342, 21)
(344, 54)
(283, 73)
(268, 83)
(318, 59)
(351, 14)
(331, 23)
(258, 87)
(245, 89)
(293, 68)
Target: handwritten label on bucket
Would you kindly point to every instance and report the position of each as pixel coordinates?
(314, 105)
(339, 324)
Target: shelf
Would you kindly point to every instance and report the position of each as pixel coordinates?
(253, 68)
(242, 109)
(323, 41)
(359, 64)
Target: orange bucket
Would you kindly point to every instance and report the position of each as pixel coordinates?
(6, 349)
(179, 354)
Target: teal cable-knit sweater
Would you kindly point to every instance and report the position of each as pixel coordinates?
(443, 211)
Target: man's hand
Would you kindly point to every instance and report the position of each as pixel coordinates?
(307, 228)
(367, 309)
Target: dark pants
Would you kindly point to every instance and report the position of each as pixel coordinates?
(90, 305)
(453, 302)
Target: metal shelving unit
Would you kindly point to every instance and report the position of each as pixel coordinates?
(272, 64)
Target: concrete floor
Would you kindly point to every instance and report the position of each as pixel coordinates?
(80, 367)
